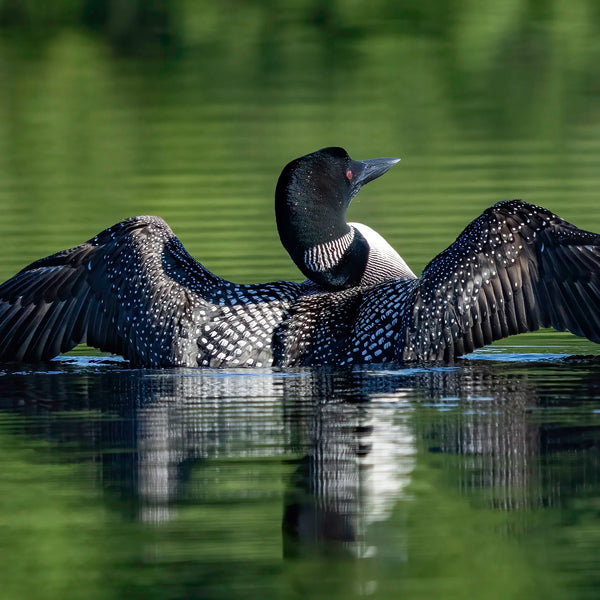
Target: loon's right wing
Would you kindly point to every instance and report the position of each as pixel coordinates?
(135, 291)
(514, 269)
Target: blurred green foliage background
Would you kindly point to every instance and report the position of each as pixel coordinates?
(190, 109)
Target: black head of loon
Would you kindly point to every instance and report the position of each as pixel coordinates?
(312, 196)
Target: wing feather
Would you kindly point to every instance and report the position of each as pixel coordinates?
(516, 268)
(134, 290)
(89, 294)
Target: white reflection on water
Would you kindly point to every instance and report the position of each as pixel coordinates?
(360, 457)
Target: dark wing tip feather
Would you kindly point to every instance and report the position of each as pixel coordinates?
(514, 269)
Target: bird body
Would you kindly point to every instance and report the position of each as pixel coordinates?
(134, 290)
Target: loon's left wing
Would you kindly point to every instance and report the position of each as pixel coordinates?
(135, 291)
(516, 268)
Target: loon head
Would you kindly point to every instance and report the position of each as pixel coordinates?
(311, 199)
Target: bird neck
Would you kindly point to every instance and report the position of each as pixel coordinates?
(311, 221)
(328, 251)
(309, 213)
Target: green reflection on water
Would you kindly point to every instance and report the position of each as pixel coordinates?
(65, 534)
(53, 528)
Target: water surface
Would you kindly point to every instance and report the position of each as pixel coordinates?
(480, 479)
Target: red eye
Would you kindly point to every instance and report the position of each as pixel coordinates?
(349, 174)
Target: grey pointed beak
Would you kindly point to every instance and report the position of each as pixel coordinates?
(374, 168)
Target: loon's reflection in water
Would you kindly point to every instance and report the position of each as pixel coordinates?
(357, 450)
(351, 439)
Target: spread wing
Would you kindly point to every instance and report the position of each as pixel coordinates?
(134, 290)
(514, 269)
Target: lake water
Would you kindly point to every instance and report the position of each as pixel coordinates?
(480, 480)
(477, 480)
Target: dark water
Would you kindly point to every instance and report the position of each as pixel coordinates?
(480, 480)
(476, 481)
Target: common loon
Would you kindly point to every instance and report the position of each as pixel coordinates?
(134, 290)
